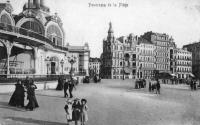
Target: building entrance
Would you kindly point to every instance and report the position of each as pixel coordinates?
(53, 68)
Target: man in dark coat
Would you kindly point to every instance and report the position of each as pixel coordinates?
(150, 88)
(158, 87)
(66, 86)
(71, 86)
(31, 96)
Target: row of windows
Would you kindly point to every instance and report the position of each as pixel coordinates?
(118, 47)
(94, 66)
(182, 69)
(147, 58)
(161, 43)
(166, 38)
(183, 57)
(146, 65)
(94, 63)
(146, 46)
(184, 63)
(164, 60)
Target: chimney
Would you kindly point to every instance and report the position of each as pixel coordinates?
(42, 2)
(36, 3)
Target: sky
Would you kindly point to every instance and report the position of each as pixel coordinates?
(83, 23)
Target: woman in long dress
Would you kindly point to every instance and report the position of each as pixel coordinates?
(84, 109)
(76, 107)
(17, 99)
(68, 110)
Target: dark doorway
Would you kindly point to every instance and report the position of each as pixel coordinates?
(53, 68)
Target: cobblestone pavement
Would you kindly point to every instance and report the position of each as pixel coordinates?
(111, 102)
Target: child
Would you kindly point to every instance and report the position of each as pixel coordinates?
(68, 110)
(84, 109)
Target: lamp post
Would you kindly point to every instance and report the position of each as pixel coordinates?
(62, 63)
(71, 60)
(123, 68)
(123, 61)
(47, 62)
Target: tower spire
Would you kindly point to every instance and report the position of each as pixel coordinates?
(110, 32)
(110, 28)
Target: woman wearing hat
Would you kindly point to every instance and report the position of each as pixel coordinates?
(84, 109)
(68, 110)
(76, 107)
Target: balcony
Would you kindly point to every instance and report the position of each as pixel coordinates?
(23, 35)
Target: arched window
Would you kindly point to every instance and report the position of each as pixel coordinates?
(33, 26)
(54, 34)
(5, 19)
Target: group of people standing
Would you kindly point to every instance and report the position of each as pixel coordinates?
(76, 110)
(154, 85)
(18, 97)
(193, 85)
(67, 85)
(141, 83)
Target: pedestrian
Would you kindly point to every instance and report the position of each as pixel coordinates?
(66, 87)
(32, 104)
(17, 99)
(60, 83)
(68, 110)
(195, 85)
(76, 107)
(84, 109)
(150, 86)
(71, 87)
(191, 85)
(158, 87)
(26, 82)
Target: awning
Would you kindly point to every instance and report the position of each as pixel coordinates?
(165, 75)
(127, 70)
(173, 74)
(192, 75)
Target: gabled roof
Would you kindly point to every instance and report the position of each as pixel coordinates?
(142, 40)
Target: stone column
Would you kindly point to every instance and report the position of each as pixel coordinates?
(9, 46)
(35, 52)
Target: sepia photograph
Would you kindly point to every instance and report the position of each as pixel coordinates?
(99, 62)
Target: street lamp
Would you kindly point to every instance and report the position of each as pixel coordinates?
(62, 62)
(71, 60)
(47, 62)
(123, 68)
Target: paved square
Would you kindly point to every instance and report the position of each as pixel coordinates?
(111, 102)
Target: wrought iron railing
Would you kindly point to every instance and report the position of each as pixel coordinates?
(14, 77)
(29, 33)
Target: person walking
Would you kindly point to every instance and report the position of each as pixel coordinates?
(84, 109)
(158, 87)
(71, 87)
(17, 99)
(150, 86)
(66, 87)
(60, 83)
(32, 104)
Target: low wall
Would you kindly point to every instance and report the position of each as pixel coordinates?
(7, 88)
(44, 85)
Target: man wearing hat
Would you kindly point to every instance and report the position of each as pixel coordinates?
(71, 86)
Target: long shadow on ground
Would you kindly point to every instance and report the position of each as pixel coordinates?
(34, 121)
(5, 105)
